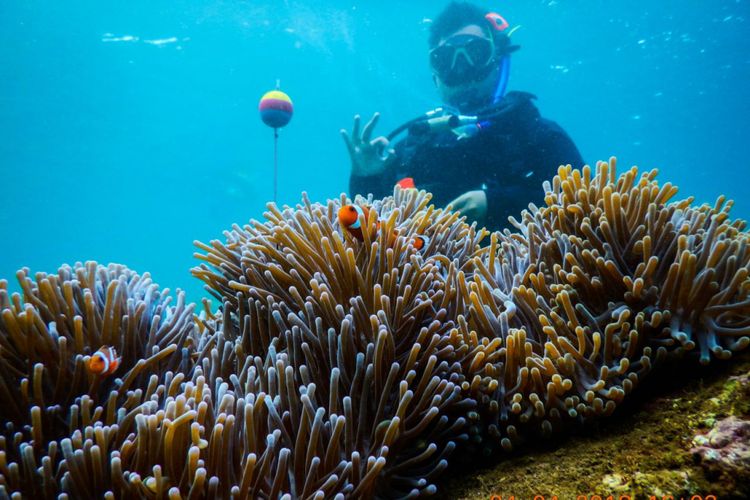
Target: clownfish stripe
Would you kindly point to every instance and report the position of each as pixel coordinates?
(104, 358)
(356, 224)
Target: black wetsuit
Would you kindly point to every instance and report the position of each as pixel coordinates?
(509, 159)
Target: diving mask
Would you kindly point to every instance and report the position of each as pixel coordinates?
(463, 58)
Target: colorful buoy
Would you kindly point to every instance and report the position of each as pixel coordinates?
(275, 108)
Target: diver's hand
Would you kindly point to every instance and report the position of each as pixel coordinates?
(368, 156)
(472, 204)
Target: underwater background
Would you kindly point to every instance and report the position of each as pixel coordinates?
(130, 129)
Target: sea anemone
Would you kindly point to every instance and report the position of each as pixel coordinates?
(67, 429)
(596, 286)
(367, 362)
(354, 365)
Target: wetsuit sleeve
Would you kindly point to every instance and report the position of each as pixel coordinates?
(379, 185)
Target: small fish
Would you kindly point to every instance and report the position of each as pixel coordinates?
(420, 241)
(104, 361)
(349, 220)
(406, 183)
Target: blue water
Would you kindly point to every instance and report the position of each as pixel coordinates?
(129, 129)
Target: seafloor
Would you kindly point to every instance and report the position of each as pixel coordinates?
(684, 436)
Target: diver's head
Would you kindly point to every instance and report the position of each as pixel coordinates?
(469, 53)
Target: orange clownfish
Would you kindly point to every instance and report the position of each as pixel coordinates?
(407, 183)
(104, 361)
(349, 220)
(419, 242)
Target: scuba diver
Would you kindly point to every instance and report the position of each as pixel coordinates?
(485, 153)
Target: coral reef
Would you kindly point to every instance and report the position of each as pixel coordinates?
(343, 368)
(727, 445)
(645, 450)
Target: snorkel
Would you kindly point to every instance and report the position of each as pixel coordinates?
(502, 81)
(499, 24)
